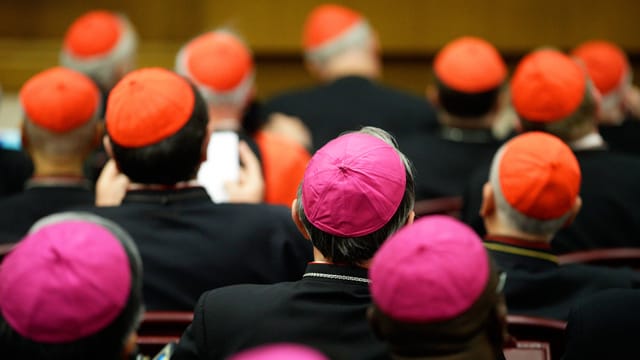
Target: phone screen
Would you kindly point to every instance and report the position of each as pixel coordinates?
(222, 164)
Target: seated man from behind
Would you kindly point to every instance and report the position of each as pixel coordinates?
(436, 294)
(469, 74)
(60, 129)
(156, 130)
(531, 194)
(71, 289)
(342, 51)
(356, 192)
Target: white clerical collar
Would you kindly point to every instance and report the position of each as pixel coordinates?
(588, 142)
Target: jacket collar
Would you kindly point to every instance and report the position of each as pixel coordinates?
(520, 247)
(334, 272)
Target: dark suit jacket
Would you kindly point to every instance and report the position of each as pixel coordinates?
(443, 163)
(189, 244)
(610, 214)
(325, 310)
(20, 211)
(537, 286)
(351, 102)
(604, 326)
(16, 168)
(623, 137)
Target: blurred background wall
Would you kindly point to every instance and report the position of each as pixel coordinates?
(411, 31)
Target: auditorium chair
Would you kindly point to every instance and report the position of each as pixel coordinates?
(161, 327)
(528, 328)
(528, 350)
(450, 205)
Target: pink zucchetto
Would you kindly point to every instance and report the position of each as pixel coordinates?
(282, 351)
(65, 281)
(430, 271)
(353, 185)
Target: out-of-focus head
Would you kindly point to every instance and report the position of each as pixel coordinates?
(434, 291)
(221, 66)
(535, 179)
(357, 190)
(283, 351)
(550, 92)
(71, 289)
(331, 30)
(101, 44)
(470, 73)
(608, 68)
(156, 122)
(61, 109)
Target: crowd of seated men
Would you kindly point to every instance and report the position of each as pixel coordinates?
(288, 228)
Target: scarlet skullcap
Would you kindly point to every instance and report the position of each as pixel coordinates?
(353, 185)
(547, 86)
(64, 281)
(327, 23)
(93, 34)
(60, 99)
(539, 176)
(147, 106)
(432, 270)
(280, 352)
(470, 65)
(217, 60)
(606, 64)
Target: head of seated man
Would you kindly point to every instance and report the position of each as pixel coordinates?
(158, 142)
(348, 203)
(611, 74)
(101, 44)
(61, 121)
(71, 289)
(469, 75)
(339, 41)
(436, 294)
(550, 92)
(533, 189)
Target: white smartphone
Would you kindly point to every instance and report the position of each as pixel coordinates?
(222, 164)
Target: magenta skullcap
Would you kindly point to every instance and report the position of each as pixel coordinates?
(64, 281)
(430, 271)
(353, 185)
(282, 351)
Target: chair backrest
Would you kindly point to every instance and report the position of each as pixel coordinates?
(539, 329)
(159, 328)
(528, 350)
(612, 257)
(451, 206)
(5, 249)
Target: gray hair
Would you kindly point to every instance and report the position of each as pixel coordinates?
(512, 217)
(580, 123)
(68, 143)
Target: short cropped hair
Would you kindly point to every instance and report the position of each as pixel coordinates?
(467, 105)
(172, 160)
(108, 343)
(353, 250)
(76, 141)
